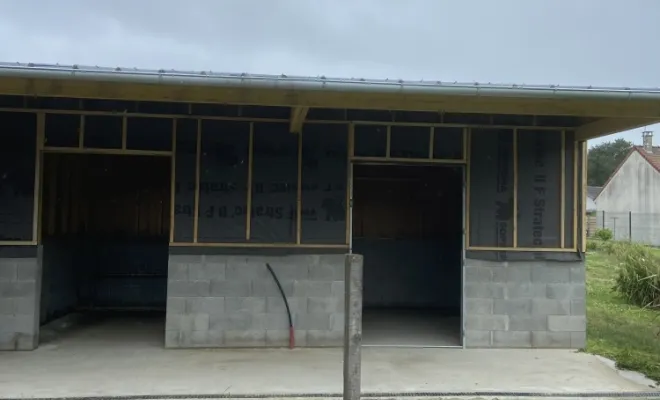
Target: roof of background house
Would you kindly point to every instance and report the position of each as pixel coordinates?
(652, 157)
(592, 191)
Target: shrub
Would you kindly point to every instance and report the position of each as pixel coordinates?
(604, 234)
(638, 277)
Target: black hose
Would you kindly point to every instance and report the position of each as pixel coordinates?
(292, 340)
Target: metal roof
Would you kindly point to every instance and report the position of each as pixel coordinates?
(223, 79)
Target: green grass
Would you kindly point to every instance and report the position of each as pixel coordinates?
(625, 333)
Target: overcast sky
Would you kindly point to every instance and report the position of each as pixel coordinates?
(585, 42)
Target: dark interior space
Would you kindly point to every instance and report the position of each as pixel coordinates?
(407, 222)
(105, 234)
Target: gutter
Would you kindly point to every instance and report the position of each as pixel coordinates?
(298, 83)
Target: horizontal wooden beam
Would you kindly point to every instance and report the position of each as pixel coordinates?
(298, 115)
(326, 99)
(608, 126)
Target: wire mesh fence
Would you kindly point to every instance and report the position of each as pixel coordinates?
(630, 226)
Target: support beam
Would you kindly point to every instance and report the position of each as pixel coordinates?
(353, 326)
(607, 126)
(298, 115)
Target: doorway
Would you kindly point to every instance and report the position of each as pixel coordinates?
(105, 234)
(408, 224)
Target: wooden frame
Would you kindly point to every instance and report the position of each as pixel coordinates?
(515, 247)
(41, 149)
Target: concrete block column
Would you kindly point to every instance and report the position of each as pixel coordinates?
(19, 303)
(520, 304)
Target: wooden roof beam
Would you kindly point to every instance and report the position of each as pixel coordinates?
(608, 126)
(298, 115)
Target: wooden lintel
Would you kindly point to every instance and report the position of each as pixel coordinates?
(608, 126)
(298, 115)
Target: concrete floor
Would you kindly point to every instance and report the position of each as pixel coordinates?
(409, 328)
(107, 357)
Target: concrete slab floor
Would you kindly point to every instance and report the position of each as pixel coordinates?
(115, 358)
(410, 328)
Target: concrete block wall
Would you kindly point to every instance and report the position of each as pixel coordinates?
(520, 304)
(19, 302)
(233, 301)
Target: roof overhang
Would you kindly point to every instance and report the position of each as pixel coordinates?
(616, 109)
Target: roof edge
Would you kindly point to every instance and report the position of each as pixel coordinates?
(203, 78)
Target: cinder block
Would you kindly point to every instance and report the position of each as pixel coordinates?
(487, 322)
(201, 339)
(338, 288)
(478, 306)
(528, 323)
(206, 272)
(276, 321)
(553, 273)
(25, 305)
(237, 321)
(512, 339)
(485, 263)
(18, 289)
(512, 306)
(177, 271)
(27, 342)
(578, 274)
(205, 305)
(325, 305)
(323, 338)
(245, 338)
(312, 288)
(254, 305)
(317, 321)
(236, 288)
(241, 270)
(551, 340)
(337, 321)
(7, 306)
(18, 323)
(280, 338)
(275, 305)
(215, 259)
(7, 271)
(172, 339)
(188, 289)
(297, 269)
(186, 259)
(8, 340)
(514, 273)
(479, 274)
(567, 323)
(484, 290)
(187, 322)
(525, 290)
(578, 307)
(326, 272)
(268, 287)
(566, 291)
(550, 307)
(477, 339)
(578, 340)
(176, 305)
(27, 270)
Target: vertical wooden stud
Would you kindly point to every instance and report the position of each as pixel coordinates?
(468, 139)
(576, 194)
(562, 190)
(515, 188)
(299, 190)
(36, 213)
(173, 181)
(388, 145)
(198, 173)
(349, 183)
(248, 211)
(81, 134)
(431, 142)
(124, 131)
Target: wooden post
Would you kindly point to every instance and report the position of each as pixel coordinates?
(353, 326)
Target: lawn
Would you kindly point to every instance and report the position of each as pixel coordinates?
(616, 330)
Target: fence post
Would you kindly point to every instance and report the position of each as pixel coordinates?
(353, 326)
(630, 226)
(603, 226)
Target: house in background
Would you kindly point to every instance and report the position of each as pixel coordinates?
(592, 193)
(629, 202)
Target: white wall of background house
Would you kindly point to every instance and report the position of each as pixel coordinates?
(629, 204)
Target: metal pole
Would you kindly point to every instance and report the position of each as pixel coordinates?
(353, 326)
(630, 226)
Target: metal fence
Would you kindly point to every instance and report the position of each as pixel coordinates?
(635, 227)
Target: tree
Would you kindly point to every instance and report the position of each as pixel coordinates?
(604, 158)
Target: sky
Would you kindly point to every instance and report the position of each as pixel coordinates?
(566, 42)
